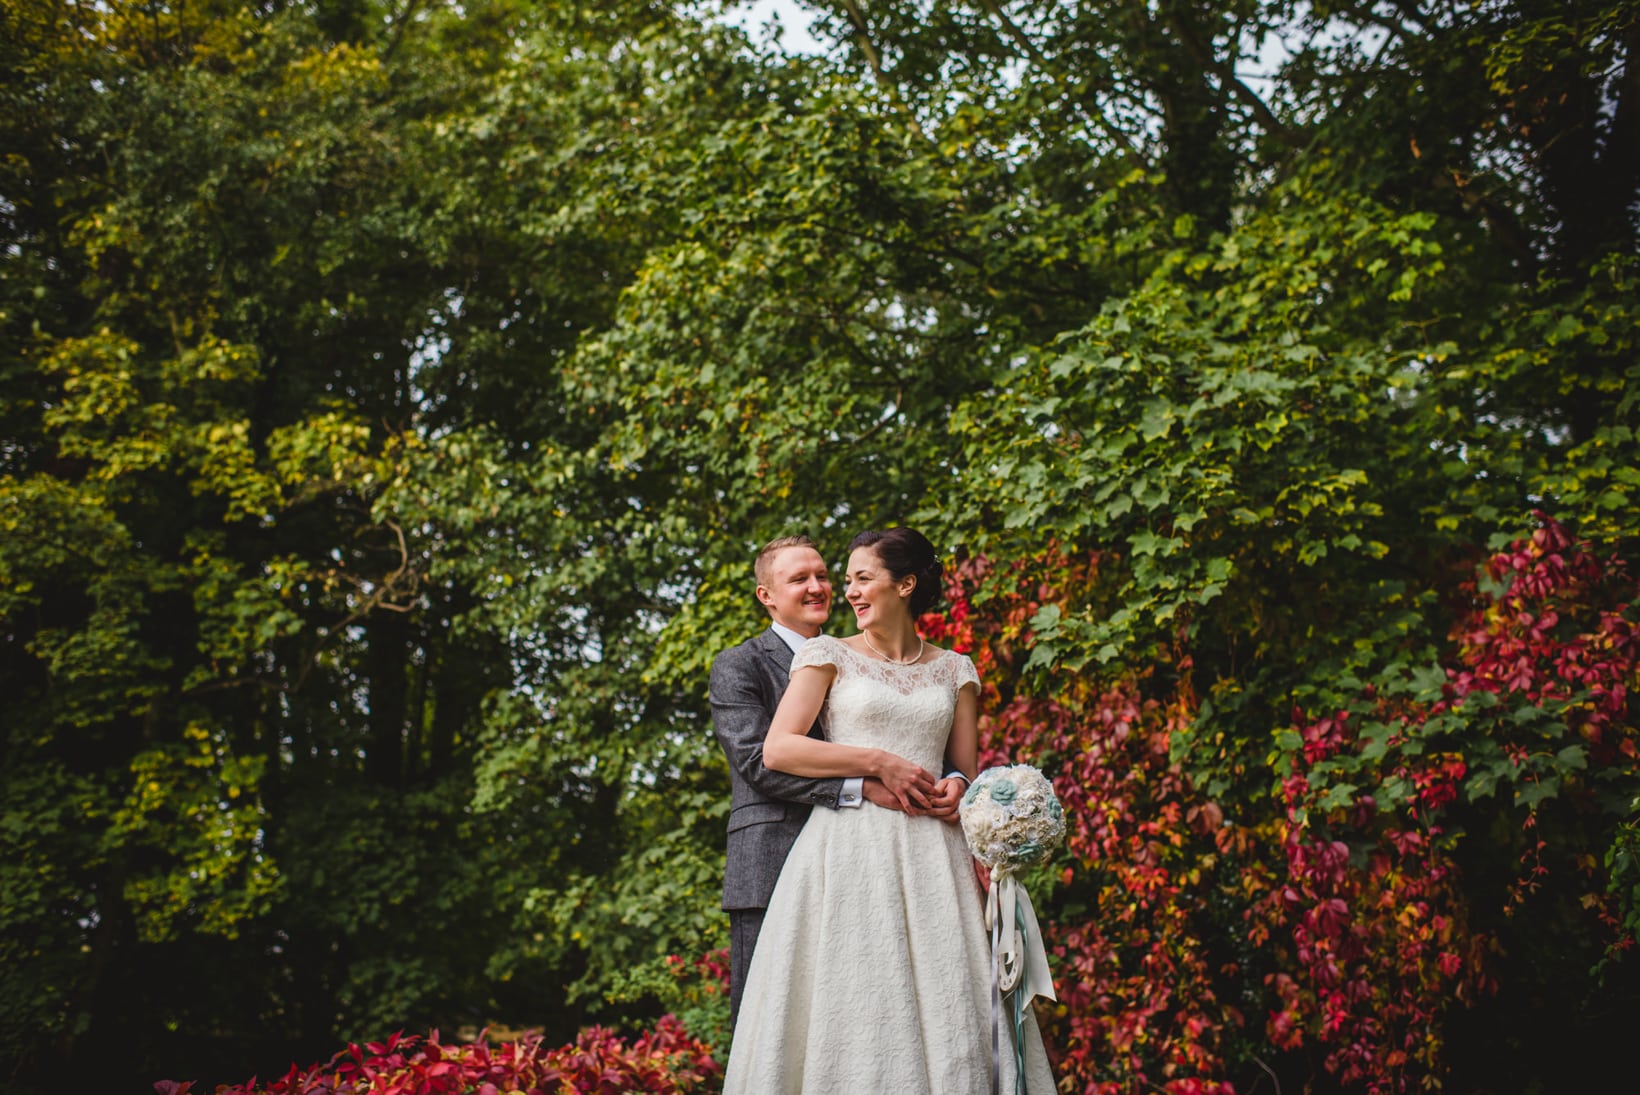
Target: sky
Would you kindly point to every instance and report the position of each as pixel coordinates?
(794, 21)
(1259, 60)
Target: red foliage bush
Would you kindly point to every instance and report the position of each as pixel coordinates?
(1558, 632)
(1336, 907)
(1365, 921)
(665, 1059)
(1137, 998)
(1370, 910)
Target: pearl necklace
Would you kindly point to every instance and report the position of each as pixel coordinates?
(894, 661)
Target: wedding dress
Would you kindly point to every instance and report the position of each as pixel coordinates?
(873, 970)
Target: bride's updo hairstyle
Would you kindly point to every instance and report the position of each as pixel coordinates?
(905, 551)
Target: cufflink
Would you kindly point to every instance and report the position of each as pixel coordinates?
(850, 799)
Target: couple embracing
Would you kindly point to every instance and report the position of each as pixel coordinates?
(859, 955)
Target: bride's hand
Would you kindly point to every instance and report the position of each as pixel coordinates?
(908, 782)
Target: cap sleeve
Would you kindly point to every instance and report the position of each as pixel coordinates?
(820, 650)
(963, 672)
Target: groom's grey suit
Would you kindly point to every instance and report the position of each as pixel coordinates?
(766, 809)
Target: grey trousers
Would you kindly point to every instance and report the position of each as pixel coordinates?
(744, 926)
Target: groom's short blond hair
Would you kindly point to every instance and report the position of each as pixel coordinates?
(765, 557)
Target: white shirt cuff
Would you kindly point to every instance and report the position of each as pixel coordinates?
(852, 794)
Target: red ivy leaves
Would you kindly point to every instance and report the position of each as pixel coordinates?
(1371, 911)
(1365, 925)
(1137, 1005)
(1353, 912)
(1559, 631)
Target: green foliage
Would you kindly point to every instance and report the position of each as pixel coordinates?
(1266, 470)
(696, 993)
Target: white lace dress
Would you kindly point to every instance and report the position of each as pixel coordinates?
(873, 971)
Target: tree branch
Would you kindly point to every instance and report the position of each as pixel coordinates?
(1622, 147)
(862, 35)
(1412, 13)
(1202, 53)
(1411, 23)
(399, 23)
(1097, 119)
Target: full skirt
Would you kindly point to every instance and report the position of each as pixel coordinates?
(873, 971)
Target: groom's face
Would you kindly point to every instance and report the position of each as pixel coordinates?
(798, 592)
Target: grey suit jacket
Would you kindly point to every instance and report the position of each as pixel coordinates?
(766, 809)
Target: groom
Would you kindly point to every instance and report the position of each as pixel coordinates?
(767, 809)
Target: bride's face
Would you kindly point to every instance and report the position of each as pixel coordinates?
(872, 591)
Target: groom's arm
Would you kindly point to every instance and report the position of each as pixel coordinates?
(741, 714)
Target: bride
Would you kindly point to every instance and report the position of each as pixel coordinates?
(873, 972)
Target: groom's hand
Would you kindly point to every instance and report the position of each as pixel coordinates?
(946, 798)
(877, 793)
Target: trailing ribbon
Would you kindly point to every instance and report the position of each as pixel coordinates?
(1019, 968)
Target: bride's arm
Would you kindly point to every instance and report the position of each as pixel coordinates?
(788, 748)
(962, 751)
(961, 755)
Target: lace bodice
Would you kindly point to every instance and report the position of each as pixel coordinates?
(905, 709)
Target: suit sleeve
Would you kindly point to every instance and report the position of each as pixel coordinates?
(740, 718)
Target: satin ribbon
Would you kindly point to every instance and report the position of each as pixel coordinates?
(1019, 967)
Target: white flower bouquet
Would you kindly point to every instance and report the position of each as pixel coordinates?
(1012, 818)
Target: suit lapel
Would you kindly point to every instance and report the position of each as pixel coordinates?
(779, 654)
(780, 657)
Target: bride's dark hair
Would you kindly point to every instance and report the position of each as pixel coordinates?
(905, 551)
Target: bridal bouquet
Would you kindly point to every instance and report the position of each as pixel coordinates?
(1012, 818)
